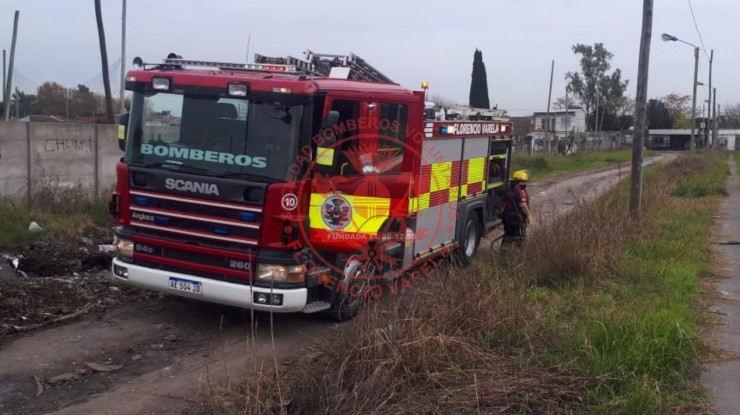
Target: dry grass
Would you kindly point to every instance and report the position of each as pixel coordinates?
(454, 346)
(566, 325)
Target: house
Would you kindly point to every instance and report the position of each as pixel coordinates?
(547, 130)
(560, 123)
(680, 139)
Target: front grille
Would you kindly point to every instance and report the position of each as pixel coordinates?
(190, 219)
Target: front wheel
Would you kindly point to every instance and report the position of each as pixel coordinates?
(346, 302)
(470, 240)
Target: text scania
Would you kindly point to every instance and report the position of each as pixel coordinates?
(186, 153)
(194, 187)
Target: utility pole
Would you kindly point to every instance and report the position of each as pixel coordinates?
(104, 61)
(123, 58)
(641, 107)
(3, 86)
(249, 40)
(715, 129)
(692, 144)
(567, 117)
(9, 83)
(549, 97)
(709, 110)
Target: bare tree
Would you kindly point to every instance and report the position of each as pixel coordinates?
(730, 117)
(104, 60)
(441, 101)
(560, 103)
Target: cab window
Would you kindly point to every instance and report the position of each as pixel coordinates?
(370, 137)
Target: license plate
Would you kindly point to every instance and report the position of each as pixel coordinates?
(188, 286)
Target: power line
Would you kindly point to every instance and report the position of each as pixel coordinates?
(703, 48)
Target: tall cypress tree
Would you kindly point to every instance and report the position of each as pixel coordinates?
(479, 83)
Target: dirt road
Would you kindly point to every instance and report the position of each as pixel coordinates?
(159, 354)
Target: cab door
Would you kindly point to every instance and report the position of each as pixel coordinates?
(359, 185)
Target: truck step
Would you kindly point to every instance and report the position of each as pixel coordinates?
(316, 306)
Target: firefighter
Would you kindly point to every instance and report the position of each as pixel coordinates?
(516, 214)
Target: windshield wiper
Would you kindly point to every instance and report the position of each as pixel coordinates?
(249, 176)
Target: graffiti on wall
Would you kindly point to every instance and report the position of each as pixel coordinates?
(79, 145)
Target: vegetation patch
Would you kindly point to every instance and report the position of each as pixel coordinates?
(540, 166)
(595, 314)
(62, 214)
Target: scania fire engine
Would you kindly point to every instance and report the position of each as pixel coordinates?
(294, 185)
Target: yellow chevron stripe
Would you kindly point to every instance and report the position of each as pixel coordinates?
(441, 176)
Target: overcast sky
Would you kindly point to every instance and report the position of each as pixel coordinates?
(409, 41)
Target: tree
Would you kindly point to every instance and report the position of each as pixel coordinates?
(658, 115)
(479, 83)
(594, 85)
(27, 104)
(441, 101)
(104, 61)
(52, 98)
(560, 103)
(680, 108)
(730, 117)
(84, 102)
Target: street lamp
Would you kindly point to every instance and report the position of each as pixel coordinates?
(668, 38)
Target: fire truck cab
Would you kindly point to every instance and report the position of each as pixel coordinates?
(293, 185)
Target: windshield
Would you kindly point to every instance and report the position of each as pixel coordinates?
(212, 135)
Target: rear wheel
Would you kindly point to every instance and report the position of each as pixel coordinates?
(470, 240)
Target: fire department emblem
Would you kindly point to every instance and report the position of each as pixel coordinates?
(336, 212)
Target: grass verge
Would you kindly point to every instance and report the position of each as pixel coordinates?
(62, 214)
(595, 314)
(540, 167)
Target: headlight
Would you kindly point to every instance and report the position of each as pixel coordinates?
(124, 248)
(281, 273)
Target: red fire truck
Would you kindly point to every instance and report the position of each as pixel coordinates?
(294, 185)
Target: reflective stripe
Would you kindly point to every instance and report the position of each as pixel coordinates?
(121, 132)
(475, 170)
(449, 181)
(424, 201)
(325, 156)
(475, 182)
(454, 194)
(441, 176)
(413, 204)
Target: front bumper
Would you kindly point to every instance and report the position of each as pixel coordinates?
(237, 295)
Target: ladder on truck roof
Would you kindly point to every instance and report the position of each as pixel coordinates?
(319, 64)
(359, 69)
(328, 65)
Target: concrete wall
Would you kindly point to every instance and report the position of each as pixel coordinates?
(38, 155)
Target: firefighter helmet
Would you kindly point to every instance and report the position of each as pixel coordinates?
(520, 176)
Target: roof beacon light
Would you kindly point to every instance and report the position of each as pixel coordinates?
(237, 90)
(161, 84)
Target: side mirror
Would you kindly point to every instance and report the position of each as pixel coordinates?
(122, 127)
(325, 154)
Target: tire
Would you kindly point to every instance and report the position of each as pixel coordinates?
(470, 240)
(345, 307)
